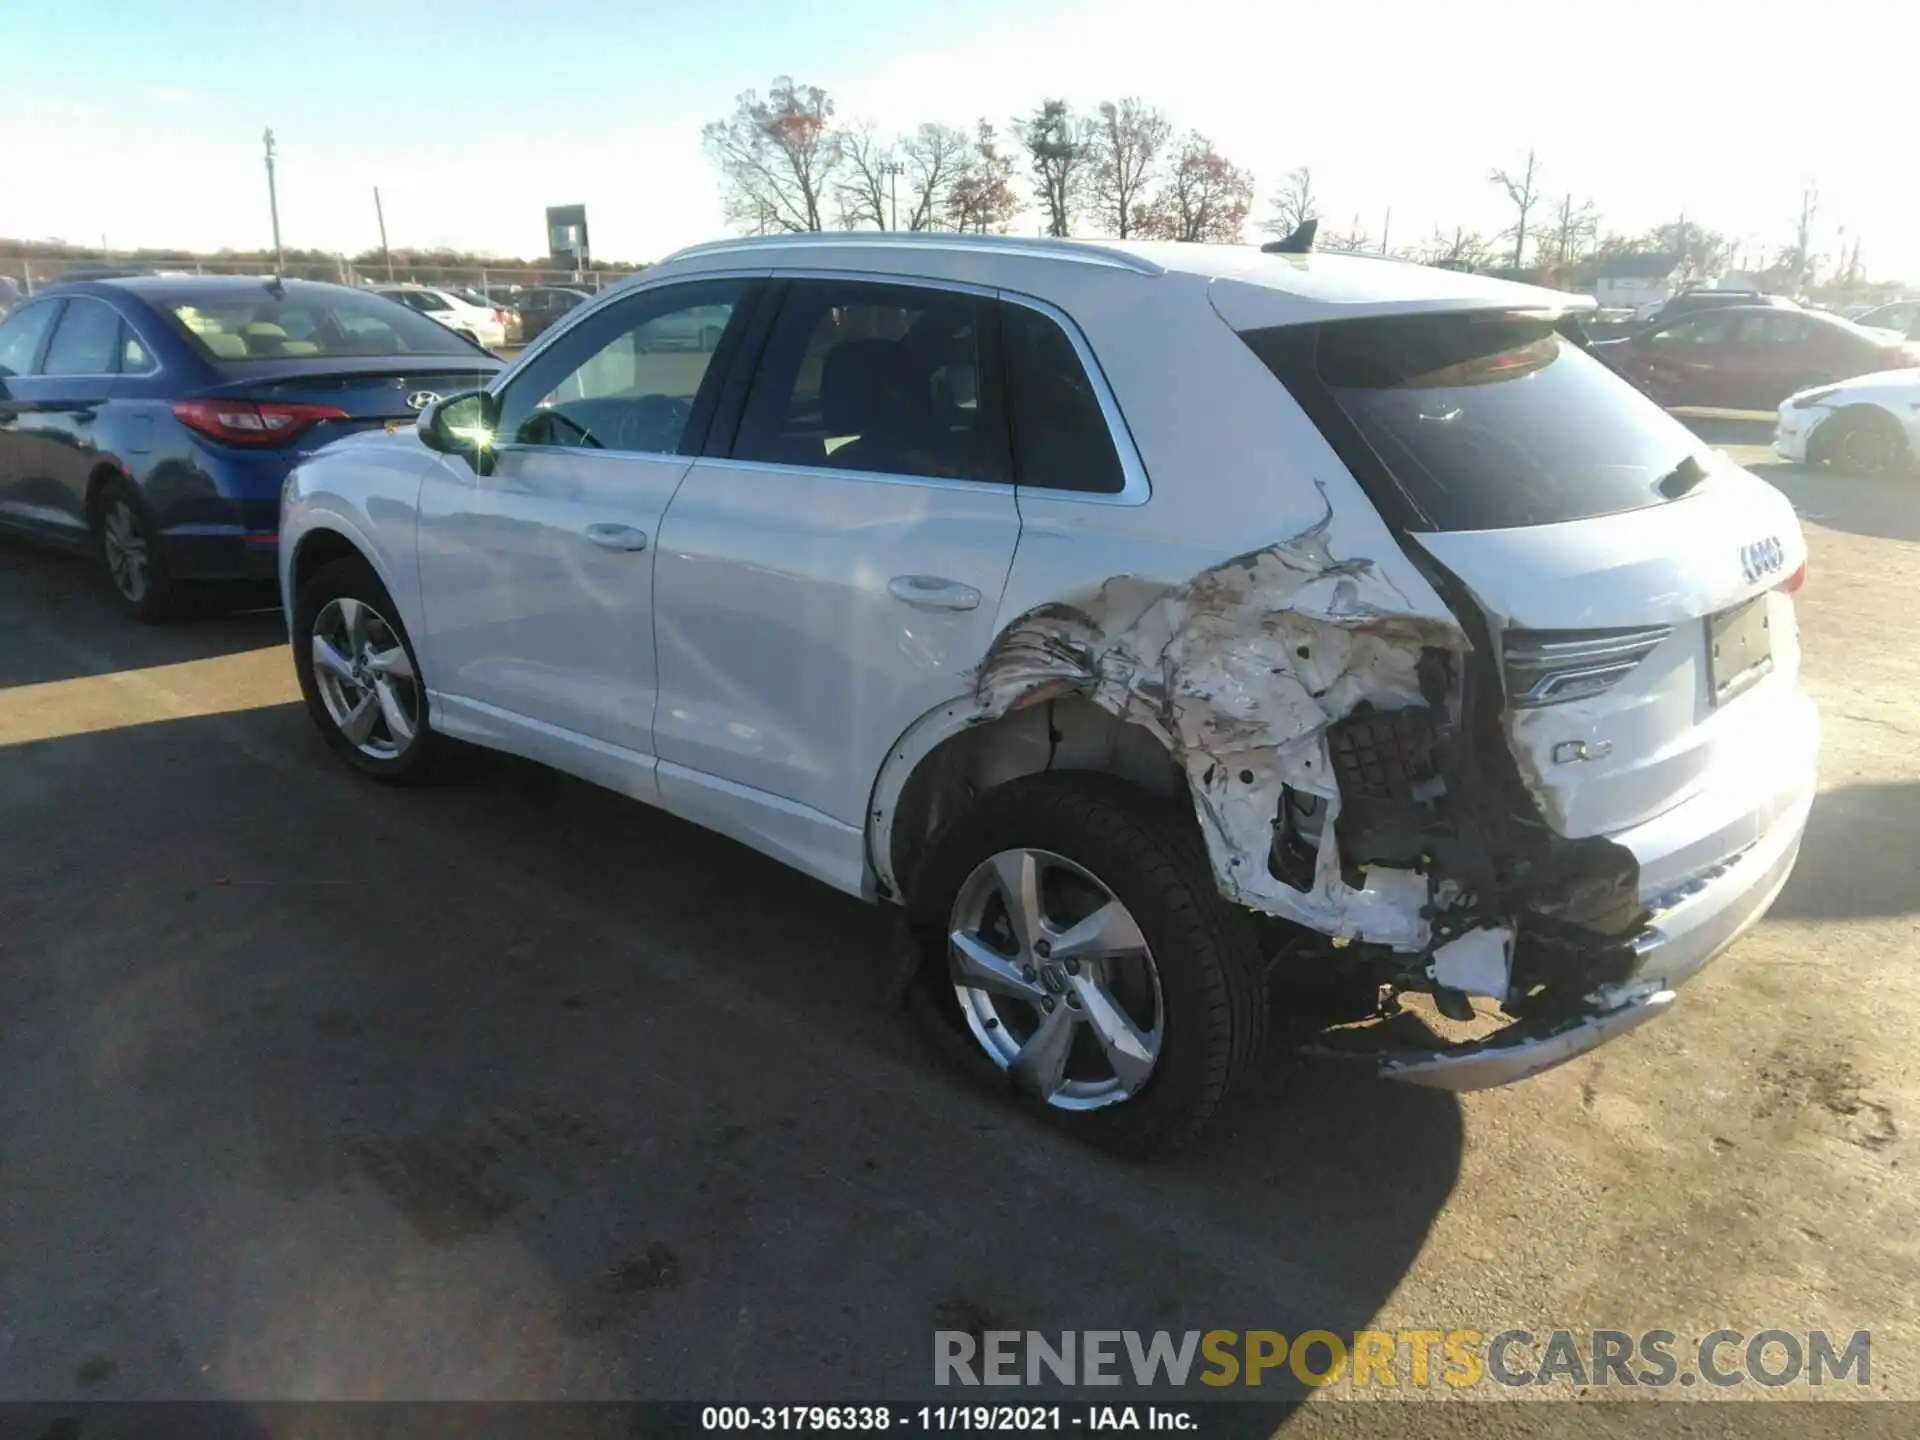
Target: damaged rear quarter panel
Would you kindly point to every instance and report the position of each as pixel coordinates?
(1238, 670)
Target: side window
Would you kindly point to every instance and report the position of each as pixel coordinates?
(134, 359)
(630, 378)
(21, 335)
(86, 341)
(876, 377)
(1708, 329)
(1778, 327)
(1060, 437)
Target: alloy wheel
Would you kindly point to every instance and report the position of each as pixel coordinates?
(1055, 980)
(1867, 449)
(124, 546)
(365, 678)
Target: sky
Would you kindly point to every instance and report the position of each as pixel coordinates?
(141, 121)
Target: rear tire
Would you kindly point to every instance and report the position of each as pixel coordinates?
(359, 675)
(128, 544)
(1864, 441)
(1188, 975)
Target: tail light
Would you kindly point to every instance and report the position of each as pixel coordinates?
(1794, 581)
(252, 422)
(500, 317)
(1550, 667)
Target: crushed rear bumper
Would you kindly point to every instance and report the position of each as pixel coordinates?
(1692, 924)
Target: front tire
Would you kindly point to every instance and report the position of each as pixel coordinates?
(359, 675)
(1865, 441)
(1075, 948)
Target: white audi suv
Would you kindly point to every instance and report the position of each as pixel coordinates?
(1183, 637)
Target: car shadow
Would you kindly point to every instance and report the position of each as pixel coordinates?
(513, 1088)
(1861, 855)
(49, 598)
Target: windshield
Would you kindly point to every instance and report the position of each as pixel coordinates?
(1481, 421)
(303, 324)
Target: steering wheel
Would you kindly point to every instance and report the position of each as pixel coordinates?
(576, 434)
(648, 419)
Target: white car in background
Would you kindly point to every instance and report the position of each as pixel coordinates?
(1869, 425)
(482, 325)
(1159, 626)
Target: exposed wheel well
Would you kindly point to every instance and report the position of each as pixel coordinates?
(1062, 734)
(1820, 446)
(104, 474)
(318, 548)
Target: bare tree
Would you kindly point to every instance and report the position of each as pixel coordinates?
(982, 198)
(862, 189)
(1293, 204)
(1700, 251)
(777, 157)
(1524, 192)
(936, 158)
(1126, 144)
(1059, 145)
(1798, 257)
(1205, 199)
(1352, 242)
(1572, 229)
(1462, 250)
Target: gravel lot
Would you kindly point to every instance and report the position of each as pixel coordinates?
(510, 1088)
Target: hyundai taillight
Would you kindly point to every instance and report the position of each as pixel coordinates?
(252, 422)
(1794, 581)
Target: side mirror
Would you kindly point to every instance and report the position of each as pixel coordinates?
(463, 425)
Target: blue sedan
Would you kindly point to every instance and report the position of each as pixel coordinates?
(151, 420)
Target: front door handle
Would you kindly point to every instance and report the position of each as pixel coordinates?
(609, 536)
(932, 592)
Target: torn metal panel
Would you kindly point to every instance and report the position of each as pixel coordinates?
(1239, 671)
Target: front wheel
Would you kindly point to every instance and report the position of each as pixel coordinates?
(1077, 948)
(359, 676)
(1865, 441)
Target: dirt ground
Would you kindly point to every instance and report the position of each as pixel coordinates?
(510, 1088)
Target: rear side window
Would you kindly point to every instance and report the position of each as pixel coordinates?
(1477, 421)
(1060, 437)
(876, 377)
(21, 335)
(87, 340)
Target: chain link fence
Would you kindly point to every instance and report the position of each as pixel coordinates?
(496, 282)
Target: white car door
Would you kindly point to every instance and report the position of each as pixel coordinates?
(838, 574)
(537, 576)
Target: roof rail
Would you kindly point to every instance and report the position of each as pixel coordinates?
(1077, 251)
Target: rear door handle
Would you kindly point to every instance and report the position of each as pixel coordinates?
(609, 536)
(932, 592)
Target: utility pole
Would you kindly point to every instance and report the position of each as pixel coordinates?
(1386, 227)
(381, 216)
(273, 203)
(891, 169)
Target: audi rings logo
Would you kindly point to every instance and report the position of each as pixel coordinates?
(420, 399)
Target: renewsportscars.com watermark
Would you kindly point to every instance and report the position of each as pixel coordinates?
(1417, 1359)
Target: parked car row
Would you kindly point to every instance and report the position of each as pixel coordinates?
(1751, 357)
(152, 420)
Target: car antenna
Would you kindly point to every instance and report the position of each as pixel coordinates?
(1298, 243)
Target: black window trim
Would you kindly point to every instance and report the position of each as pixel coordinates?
(1137, 487)
(604, 325)
(119, 349)
(987, 350)
(57, 304)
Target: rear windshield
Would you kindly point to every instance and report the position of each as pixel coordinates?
(1477, 422)
(307, 325)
